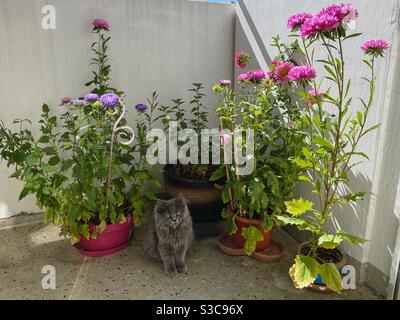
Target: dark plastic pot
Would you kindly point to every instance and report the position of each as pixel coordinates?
(242, 222)
(205, 199)
(113, 239)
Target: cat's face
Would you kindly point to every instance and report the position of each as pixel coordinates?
(172, 212)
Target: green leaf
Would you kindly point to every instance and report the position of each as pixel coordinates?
(323, 142)
(304, 271)
(349, 238)
(331, 277)
(297, 207)
(329, 241)
(303, 163)
(251, 235)
(102, 226)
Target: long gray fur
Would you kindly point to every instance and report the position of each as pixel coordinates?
(170, 234)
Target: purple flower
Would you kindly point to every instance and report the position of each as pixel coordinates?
(91, 97)
(279, 71)
(141, 107)
(375, 47)
(322, 22)
(302, 73)
(109, 100)
(242, 59)
(101, 24)
(78, 102)
(297, 20)
(225, 82)
(65, 100)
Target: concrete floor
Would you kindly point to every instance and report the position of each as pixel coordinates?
(26, 248)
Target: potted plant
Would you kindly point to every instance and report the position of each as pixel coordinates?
(82, 168)
(190, 179)
(262, 110)
(333, 131)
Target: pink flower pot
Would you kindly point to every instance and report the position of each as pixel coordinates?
(114, 238)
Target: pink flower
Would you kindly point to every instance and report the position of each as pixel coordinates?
(65, 100)
(321, 22)
(225, 139)
(225, 83)
(302, 73)
(101, 24)
(317, 96)
(242, 59)
(280, 71)
(296, 20)
(375, 47)
(257, 75)
(243, 77)
(343, 12)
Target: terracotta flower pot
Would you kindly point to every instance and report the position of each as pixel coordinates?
(114, 238)
(339, 265)
(242, 222)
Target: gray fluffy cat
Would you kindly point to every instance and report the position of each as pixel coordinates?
(170, 234)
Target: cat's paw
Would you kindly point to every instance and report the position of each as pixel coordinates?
(181, 268)
(171, 272)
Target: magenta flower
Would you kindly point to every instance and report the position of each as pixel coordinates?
(297, 20)
(141, 107)
(257, 75)
(343, 12)
(302, 73)
(375, 47)
(280, 71)
(225, 83)
(242, 59)
(101, 24)
(316, 96)
(243, 77)
(322, 22)
(65, 100)
(109, 100)
(91, 97)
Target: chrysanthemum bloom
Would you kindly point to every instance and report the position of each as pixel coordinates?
(109, 100)
(302, 73)
(375, 47)
(141, 107)
(316, 96)
(101, 24)
(65, 100)
(256, 76)
(343, 12)
(91, 97)
(322, 22)
(297, 20)
(225, 83)
(242, 59)
(243, 77)
(281, 71)
(78, 102)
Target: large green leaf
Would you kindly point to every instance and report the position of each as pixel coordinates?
(297, 207)
(349, 238)
(251, 235)
(329, 241)
(331, 277)
(304, 271)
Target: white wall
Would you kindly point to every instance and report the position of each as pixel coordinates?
(162, 45)
(374, 218)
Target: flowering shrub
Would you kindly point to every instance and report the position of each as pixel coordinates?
(332, 137)
(82, 168)
(265, 107)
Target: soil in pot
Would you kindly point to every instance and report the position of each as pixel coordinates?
(335, 256)
(205, 199)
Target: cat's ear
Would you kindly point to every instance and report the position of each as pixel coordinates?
(181, 199)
